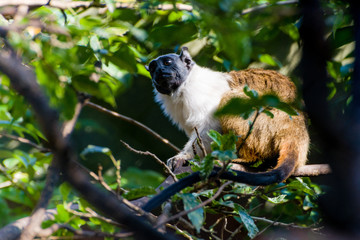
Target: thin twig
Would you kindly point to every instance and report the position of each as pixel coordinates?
(200, 142)
(236, 231)
(117, 165)
(180, 214)
(125, 201)
(166, 168)
(92, 214)
(134, 122)
(25, 141)
(180, 231)
(249, 132)
(266, 5)
(69, 125)
(275, 223)
(166, 212)
(102, 182)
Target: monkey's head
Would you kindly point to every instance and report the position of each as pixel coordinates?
(169, 71)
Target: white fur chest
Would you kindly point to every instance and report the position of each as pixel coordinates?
(195, 101)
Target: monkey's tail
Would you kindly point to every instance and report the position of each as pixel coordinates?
(286, 164)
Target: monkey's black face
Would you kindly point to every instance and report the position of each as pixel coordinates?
(169, 71)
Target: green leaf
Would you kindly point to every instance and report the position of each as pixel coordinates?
(17, 196)
(342, 37)
(206, 166)
(224, 156)
(95, 149)
(168, 35)
(215, 136)
(238, 106)
(139, 192)
(196, 217)
(250, 92)
(276, 200)
(291, 30)
(273, 101)
(5, 154)
(11, 163)
(136, 178)
(246, 219)
(300, 185)
(65, 190)
(266, 58)
(62, 214)
(241, 188)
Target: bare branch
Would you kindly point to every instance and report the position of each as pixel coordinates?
(64, 5)
(275, 223)
(68, 126)
(134, 122)
(167, 169)
(25, 141)
(84, 233)
(92, 214)
(13, 230)
(52, 179)
(266, 5)
(204, 203)
(311, 170)
(200, 142)
(24, 82)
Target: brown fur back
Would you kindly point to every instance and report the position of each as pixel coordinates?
(264, 82)
(278, 137)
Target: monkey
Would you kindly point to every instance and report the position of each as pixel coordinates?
(190, 94)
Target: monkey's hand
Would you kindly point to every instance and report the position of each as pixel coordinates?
(178, 160)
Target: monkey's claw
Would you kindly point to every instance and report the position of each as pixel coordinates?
(177, 161)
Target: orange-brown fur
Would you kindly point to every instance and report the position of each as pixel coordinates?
(280, 137)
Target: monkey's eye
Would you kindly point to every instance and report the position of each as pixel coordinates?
(168, 62)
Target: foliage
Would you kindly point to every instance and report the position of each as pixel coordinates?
(101, 51)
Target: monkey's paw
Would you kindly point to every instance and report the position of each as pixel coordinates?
(178, 160)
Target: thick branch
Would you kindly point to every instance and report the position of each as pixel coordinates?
(204, 203)
(311, 170)
(13, 230)
(24, 82)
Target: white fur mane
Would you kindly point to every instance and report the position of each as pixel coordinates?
(194, 102)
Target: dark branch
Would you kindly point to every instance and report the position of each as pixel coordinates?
(24, 82)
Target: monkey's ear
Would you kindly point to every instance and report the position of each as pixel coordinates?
(147, 68)
(185, 57)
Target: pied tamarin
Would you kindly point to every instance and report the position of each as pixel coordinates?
(189, 95)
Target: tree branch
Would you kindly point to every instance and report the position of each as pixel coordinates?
(52, 180)
(24, 82)
(134, 122)
(64, 5)
(84, 233)
(266, 5)
(25, 141)
(204, 203)
(158, 160)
